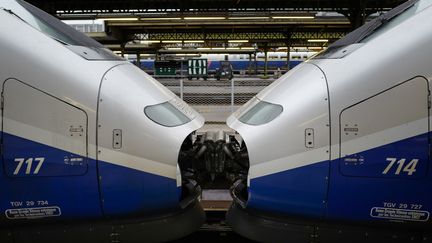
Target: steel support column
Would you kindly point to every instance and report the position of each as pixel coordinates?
(265, 61)
(138, 59)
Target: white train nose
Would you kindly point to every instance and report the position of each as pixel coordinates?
(286, 126)
(153, 120)
(275, 121)
(141, 127)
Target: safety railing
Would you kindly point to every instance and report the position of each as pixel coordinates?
(216, 100)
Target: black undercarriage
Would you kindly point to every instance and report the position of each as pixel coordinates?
(214, 159)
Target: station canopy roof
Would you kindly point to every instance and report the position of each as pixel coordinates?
(209, 26)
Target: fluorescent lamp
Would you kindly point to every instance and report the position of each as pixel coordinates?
(203, 48)
(203, 18)
(250, 17)
(233, 48)
(238, 41)
(187, 54)
(149, 41)
(171, 41)
(318, 40)
(174, 48)
(248, 48)
(193, 41)
(314, 48)
(119, 19)
(169, 18)
(293, 17)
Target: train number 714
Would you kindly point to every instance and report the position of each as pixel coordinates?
(409, 168)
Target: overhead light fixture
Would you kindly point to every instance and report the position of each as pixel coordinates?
(238, 41)
(193, 41)
(117, 52)
(249, 17)
(318, 40)
(120, 19)
(315, 48)
(293, 17)
(187, 54)
(174, 48)
(171, 41)
(203, 18)
(248, 48)
(233, 48)
(168, 18)
(203, 48)
(149, 41)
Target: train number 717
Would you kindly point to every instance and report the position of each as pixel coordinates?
(28, 165)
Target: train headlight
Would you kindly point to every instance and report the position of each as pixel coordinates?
(261, 113)
(169, 114)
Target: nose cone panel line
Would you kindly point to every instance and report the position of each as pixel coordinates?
(303, 95)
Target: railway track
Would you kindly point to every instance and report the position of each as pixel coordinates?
(215, 229)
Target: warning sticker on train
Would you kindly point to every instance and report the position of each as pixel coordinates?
(32, 213)
(399, 214)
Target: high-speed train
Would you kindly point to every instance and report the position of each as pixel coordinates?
(89, 143)
(241, 62)
(339, 147)
(275, 60)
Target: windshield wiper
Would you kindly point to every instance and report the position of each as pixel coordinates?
(367, 29)
(11, 13)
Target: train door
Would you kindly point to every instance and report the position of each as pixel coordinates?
(46, 173)
(384, 157)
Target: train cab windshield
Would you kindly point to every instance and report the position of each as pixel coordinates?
(374, 28)
(61, 32)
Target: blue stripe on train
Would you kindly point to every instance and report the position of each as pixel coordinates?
(304, 191)
(355, 189)
(124, 190)
(127, 191)
(76, 195)
(299, 191)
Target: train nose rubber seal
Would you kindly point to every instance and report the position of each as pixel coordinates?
(238, 192)
(193, 191)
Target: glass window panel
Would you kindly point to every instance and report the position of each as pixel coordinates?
(261, 113)
(166, 114)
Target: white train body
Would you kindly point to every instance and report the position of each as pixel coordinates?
(85, 134)
(345, 137)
